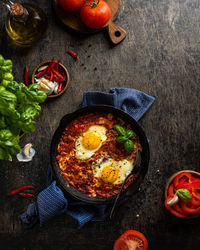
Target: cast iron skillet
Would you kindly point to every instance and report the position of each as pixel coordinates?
(62, 183)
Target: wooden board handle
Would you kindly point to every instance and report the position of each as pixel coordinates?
(116, 33)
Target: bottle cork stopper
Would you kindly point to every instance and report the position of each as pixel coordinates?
(17, 9)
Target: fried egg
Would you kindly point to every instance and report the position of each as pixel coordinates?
(111, 171)
(91, 140)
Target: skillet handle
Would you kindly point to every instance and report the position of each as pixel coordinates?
(116, 33)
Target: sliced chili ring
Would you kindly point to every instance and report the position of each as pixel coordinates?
(188, 208)
(183, 177)
(171, 191)
(178, 213)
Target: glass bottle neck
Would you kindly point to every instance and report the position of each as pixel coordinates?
(16, 9)
(8, 3)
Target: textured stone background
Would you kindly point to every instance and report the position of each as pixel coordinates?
(160, 56)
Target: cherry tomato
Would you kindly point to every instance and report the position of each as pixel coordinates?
(71, 5)
(95, 13)
(131, 239)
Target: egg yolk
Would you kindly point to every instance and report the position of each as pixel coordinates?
(109, 174)
(91, 140)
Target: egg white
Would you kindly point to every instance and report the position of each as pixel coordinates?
(124, 167)
(81, 152)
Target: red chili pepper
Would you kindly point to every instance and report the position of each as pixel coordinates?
(41, 73)
(26, 76)
(27, 195)
(173, 211)
(195, 201)
(58, 74)
(195, 184)
(51, 68)
(60, 87)
(195, 193)
(188, 208)
(171, 191)
(58, 79)
(47, 70)
(51, 77)
(17, 190)
(183, 177)
(72, 53)
(57, 64)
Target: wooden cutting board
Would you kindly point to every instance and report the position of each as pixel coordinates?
(72, 20)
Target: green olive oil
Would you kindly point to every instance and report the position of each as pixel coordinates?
(25, 24)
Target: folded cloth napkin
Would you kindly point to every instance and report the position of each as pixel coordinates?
(51, 201)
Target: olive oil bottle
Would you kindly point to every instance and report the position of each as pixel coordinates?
(25, 23)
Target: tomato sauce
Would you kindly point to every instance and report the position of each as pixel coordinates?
(78, 173)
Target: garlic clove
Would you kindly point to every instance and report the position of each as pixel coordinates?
(172, 201)
(47, 86)
(26, 154)
(56, 88)
(27, 148)
(42, 68)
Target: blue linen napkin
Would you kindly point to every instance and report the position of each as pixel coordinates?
(51, 201)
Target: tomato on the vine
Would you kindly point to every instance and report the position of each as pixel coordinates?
(95, 13)
(71, 5)
(131, 239)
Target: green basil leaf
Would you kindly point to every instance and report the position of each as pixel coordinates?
(129, 146)
(122, 139)
(2, 122)
(120, 129)
(1, 60)
(130, 134)
(34, 86)
(9, 144)
(4, 155)
(184, 194)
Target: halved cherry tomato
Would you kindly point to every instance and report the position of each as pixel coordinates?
(71, 5)
(131, 239)
(95, 13)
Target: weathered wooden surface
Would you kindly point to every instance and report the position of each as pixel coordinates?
(160, 56)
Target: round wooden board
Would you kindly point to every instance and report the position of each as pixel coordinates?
(72, 20)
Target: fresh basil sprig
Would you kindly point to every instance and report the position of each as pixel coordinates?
(125, 137)
(184, 194)
(120, 129)
(129, 146)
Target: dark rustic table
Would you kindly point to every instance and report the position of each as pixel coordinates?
(160, 56)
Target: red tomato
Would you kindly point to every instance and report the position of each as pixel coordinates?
(95, 13)
(131, 239)
(71, 5)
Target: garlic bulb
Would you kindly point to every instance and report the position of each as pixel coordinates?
(26, 154)
(47, 86)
